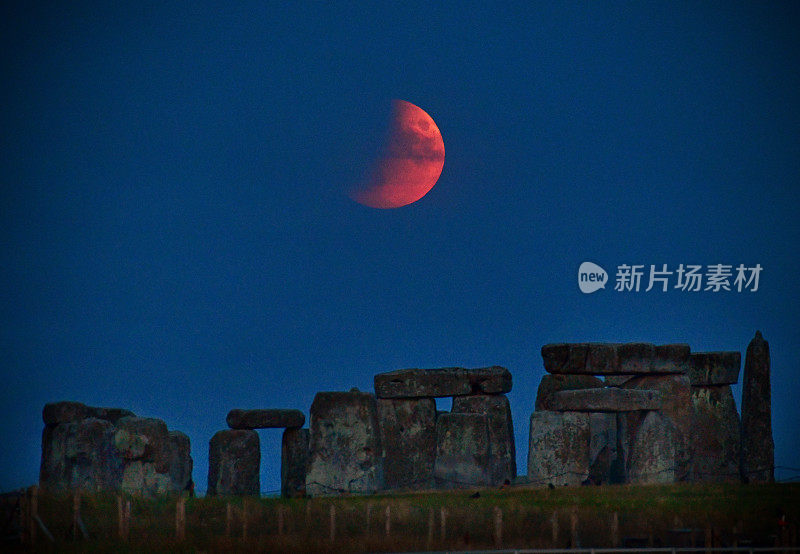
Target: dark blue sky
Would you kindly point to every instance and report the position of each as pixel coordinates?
(176, 239)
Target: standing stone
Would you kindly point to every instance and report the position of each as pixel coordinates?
(554, 383)
(101, 449)
(503, 461)
(294, 458)
(463, 451)
(602, 447)
(758, 448)
(676, 406)
(180, 461)
(446, 381)
(265, 419)
(234, 459)
(408, 436)
(715, 434)
(652, 456)
(558, 449)
(144, 438)
(80, 454)
(345, 452)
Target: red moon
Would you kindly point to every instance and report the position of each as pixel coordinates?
(410, 163)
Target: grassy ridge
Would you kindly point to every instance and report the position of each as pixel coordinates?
(724, 513)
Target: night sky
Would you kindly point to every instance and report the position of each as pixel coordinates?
(176, 237)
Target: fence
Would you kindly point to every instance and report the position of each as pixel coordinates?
(363, 523)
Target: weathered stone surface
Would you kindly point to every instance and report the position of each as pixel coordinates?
(141, 478)
(54, 413)
(714, 368)
(605, 400)
(503, 460)
(652, 456)
(294, 459)
(80, 454)
(180, 461)
(265, 419)
(676, 406)
(447, 381)
(558, 449)
(408, 436)
(715, 434)
(616, 380)
(758, 448)
(602, 447)
(555, 383)
(101, 449)
(463, 451)
(144, 438)
(345, 452)
(615, 358)
(234, 459)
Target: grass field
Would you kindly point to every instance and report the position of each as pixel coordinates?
(673, 515)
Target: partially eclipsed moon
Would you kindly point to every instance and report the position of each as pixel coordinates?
(410, 163)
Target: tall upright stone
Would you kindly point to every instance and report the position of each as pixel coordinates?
(503, 463)
(676, 394)
(559, 448)
(463, 451)
(652, 455)
(234, 460)
(758, 448)
(715, 434)
(294, 459)
(408, 436)
(345, 452)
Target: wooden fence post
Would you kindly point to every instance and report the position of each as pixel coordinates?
(180, 518)
(573, 527)
(388, 519)
(24, 517)
(431, 523)
(228, 518)
(615, 530)
(127, 519)
(554, 525)
(34, 512)
(498, 526)
(333, 522)
(280, 519)
(244, 519)
(443, 530)
(369, 514)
